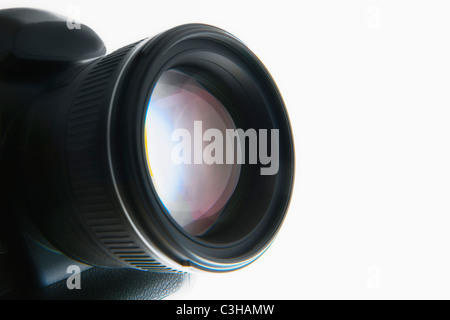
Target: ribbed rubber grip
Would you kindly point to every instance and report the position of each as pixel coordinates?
(87, 164)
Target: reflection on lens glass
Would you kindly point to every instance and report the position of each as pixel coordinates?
(194, 194)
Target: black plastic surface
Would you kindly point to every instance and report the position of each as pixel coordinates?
(113, 284)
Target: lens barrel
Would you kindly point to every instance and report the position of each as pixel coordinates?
(84, 173)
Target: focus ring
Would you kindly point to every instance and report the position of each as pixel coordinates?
(88, 174)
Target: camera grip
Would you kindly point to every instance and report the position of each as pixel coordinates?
(38, 35)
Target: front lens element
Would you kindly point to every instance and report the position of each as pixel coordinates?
(190, 177)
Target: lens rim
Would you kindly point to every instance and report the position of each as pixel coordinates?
(212, 47)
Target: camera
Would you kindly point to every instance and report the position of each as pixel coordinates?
(130, 170)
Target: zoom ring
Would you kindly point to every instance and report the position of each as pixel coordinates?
(86, 131)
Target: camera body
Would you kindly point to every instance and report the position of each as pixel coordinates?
(86, 148)
(40, 57)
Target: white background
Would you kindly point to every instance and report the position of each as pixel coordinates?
(366, 84)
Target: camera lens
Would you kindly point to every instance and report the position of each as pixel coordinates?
(194, 190)
(170, 154)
